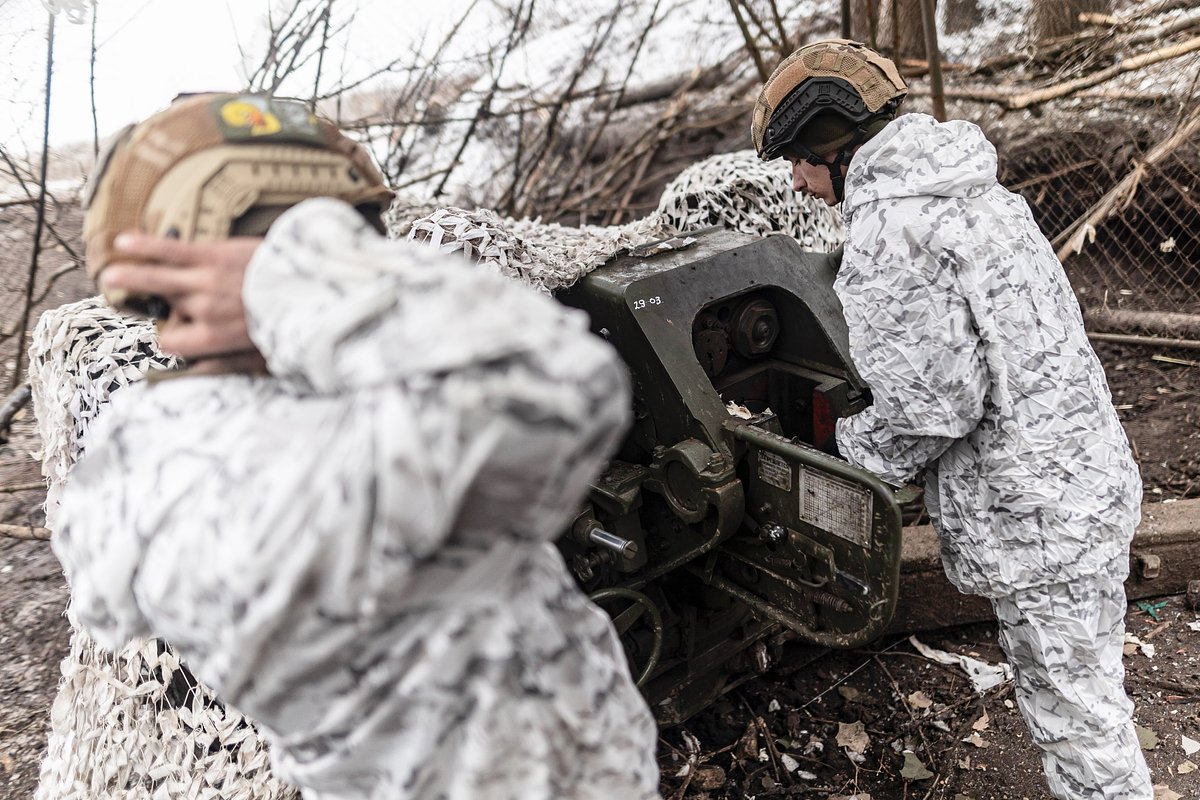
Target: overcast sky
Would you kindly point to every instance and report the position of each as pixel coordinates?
(150, 50)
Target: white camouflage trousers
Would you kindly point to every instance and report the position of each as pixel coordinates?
(1065, 642)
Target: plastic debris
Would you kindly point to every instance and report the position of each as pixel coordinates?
(1152, 608)
(1133, 643)
(983, 676)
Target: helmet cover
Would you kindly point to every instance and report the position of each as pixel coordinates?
(193, 170)
(830, 78)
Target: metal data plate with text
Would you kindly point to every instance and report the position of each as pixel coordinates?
(835, 505)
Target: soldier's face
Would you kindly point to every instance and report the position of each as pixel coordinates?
(813, 180)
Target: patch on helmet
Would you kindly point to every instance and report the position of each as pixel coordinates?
(255, 117)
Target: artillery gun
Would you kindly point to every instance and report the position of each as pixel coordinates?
(725, 517)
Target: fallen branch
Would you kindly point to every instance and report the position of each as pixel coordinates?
(1182, 362)
(1168, 6)
(1152, 341)
(1129, 96)
(1094, 18)
(919, 66)
(667, 87)
(27, 533)
(1058, 173)
(1039, 96)
(1183, 23)
(22, 487)
(968, 93)
(912, 717)
(1073, 238)
(1119, 320)
(15, 402)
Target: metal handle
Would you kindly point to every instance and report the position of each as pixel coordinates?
(623, 547)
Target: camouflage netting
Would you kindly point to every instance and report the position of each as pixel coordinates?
(735, 191)
(136, 724)
(132, 724)
(742, 193)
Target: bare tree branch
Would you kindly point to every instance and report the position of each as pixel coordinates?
(519, 28)
(92, 85)
(39, 222)
(748, 38)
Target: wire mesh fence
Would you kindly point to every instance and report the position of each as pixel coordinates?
(1095, 108)
(1121, 203)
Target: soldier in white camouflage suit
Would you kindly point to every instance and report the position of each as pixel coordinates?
(351, 544)
(965, 327)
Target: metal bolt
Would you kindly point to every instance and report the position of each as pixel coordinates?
(773, 532)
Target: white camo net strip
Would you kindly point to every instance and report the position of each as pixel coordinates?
(736, 191)
(135, 724)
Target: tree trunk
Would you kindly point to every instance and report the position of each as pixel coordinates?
(892, 27)
(960, 16)
(1052, 18)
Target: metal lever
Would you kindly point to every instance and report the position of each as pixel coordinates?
(618, 544)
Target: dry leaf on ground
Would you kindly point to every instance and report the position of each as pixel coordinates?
(919, 700)
(850, 694)
(853, 737)
(1147, 738)
(708, 778)
(913, 769)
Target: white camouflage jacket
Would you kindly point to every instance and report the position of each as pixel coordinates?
(355, 552)
(965, 327)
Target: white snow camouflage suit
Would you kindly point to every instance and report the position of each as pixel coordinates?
(965, 327)
(355, 551)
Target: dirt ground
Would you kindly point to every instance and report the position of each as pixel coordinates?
(33, 594)
(776, 735)
(925, 732)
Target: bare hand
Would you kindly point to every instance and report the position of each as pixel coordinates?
(202, 282)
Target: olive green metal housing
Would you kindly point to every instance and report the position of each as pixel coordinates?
(726, 517)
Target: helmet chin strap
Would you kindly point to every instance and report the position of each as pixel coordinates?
(836, 178)
(842, 159)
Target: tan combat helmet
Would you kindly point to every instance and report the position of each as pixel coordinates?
(212, 166)
(824, 98)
